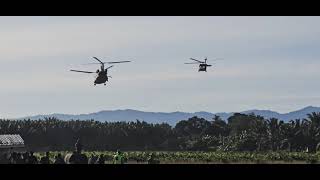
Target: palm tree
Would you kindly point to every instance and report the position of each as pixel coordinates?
(311, 131)
(294, 135)
(274, 133)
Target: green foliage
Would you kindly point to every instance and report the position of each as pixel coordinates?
(242, 133)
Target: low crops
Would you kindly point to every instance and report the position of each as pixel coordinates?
(208, 157)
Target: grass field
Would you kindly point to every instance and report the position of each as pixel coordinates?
(139, 157)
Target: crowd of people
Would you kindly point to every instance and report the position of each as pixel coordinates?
(29, 158)
(77, 157)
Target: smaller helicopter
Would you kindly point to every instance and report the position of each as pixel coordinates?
(102, 75)
(202, 65)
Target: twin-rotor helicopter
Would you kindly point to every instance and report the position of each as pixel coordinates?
(102, 74)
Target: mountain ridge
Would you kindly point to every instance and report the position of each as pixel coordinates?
(171, 117)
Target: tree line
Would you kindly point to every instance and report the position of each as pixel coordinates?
(241, 132)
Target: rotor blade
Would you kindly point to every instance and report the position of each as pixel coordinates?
(117, 62)
(81, 71)
(191, 63)
(196, 60)
(108, 62)
(90, 63)
(109, 67)
(98, 60)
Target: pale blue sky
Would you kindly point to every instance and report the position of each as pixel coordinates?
(269, 63)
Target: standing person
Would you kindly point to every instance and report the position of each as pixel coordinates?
(77, 157)
(93, 159)
(45, 159)
(32, 159)
(13, 158)
(59, 159)
(152, 160)
(5, 159)
(118, 158)
(19, 159)
(101, 159)
(26, 158)
(72, 159)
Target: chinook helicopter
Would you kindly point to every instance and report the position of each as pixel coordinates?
(102, 75)
(202, 64)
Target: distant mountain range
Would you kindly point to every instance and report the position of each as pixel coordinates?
(173, 117)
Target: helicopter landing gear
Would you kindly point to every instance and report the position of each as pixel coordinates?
(105, 84)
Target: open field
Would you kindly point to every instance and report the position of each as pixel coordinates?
(139, 157)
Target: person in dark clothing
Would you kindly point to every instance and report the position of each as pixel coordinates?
(26, 158)
(93, 159)
(32, 159)
(4, 159)
(101, 159)
(78, 158)
(152, 160)
(72, 159)
(13, 158)
(19, 159)
(46, 159)
(119, 158)
(59, 159)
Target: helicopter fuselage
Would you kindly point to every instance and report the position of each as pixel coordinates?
(102, 78)
(203, 67)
